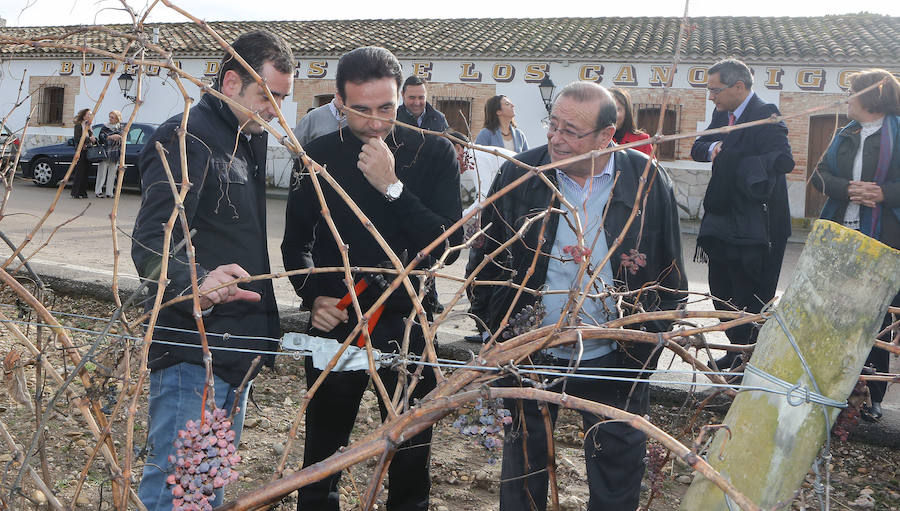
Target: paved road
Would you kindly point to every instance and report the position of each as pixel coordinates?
(83, 249)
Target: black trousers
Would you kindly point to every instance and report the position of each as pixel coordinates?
(332, 413)
(880, 360)
(746, 278)
(614, 452)
(80, 176)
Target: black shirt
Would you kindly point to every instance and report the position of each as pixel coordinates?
(429, 204)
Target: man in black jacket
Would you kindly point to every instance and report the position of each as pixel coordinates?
(416, 110)
(226, 166)
(746, 219)
(603, 192)
(407, 186)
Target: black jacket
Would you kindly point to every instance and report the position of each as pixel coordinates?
(756, 211)
(434, 120)
(429, 204)
(226, 205)
(655, 232)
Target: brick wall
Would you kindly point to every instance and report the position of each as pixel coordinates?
(71, 86)
(693, 110)
(306, 90)
(478, 92)
(793, 103)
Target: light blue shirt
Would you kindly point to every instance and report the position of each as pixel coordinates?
(738, 112)
(590, 200)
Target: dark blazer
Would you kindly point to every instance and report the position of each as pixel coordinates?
(757, 159)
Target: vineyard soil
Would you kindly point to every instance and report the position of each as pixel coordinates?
(465, 476)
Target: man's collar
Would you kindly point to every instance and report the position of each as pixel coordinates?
(334, 109)
(743, 106)
(608, 169)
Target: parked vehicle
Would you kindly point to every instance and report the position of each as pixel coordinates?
(9, 146)
(46, 165)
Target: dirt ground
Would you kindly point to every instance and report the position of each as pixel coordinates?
(465, 475)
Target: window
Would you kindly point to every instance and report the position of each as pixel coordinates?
(324, 99)
(458, 112)
(136, 136)
(51, 104)
(647, 119)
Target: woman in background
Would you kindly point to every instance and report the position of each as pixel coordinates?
(860, 175)
(110, 138)
(80, 173)
(625, 130)
(500, 126)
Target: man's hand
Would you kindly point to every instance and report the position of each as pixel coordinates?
(219, 276)
(325, 315)
(715, 151)
(865, 193)
(377, 164)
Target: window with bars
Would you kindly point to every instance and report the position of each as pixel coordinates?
(52, 100)
(458, 112)
(647, 119)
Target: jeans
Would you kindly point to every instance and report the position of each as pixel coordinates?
(614, 452)
(175, 397)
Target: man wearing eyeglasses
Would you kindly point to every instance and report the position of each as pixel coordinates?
(746, 220)
(603, 192)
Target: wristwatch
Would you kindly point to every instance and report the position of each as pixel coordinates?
(393, 191)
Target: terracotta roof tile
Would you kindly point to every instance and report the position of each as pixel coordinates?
(853, 38)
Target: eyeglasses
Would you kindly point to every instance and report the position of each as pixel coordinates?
(552, 127)
(715, 91)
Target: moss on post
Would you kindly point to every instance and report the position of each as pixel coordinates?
(833, 308)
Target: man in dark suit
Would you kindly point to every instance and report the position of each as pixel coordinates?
(746, 220)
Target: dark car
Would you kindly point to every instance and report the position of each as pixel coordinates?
(9, 146)
(46, 165)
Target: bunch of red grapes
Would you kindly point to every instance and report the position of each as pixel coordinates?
(657, 456)
(204, 461)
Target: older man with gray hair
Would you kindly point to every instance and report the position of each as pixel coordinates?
(603, 191)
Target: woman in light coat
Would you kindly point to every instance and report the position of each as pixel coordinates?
(111, 139)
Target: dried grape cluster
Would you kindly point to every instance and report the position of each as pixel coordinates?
(634, 261)
(656, 460)
(577, 252)
(845, 423)
(204, 460)
(527, 319)
(485, 422)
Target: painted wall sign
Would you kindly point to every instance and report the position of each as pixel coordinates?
(423, 70)
(773, 78)
(697, 76)
(811, 79)
(626, 75)
(534, 73)
(317, 69)
(503, 73)
(211, 68)
(777, 78)
(591, 73)
(468, 73)
(660, 75)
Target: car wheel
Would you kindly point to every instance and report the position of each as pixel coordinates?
(43, 172)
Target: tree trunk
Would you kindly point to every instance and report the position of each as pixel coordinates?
(833, 307)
